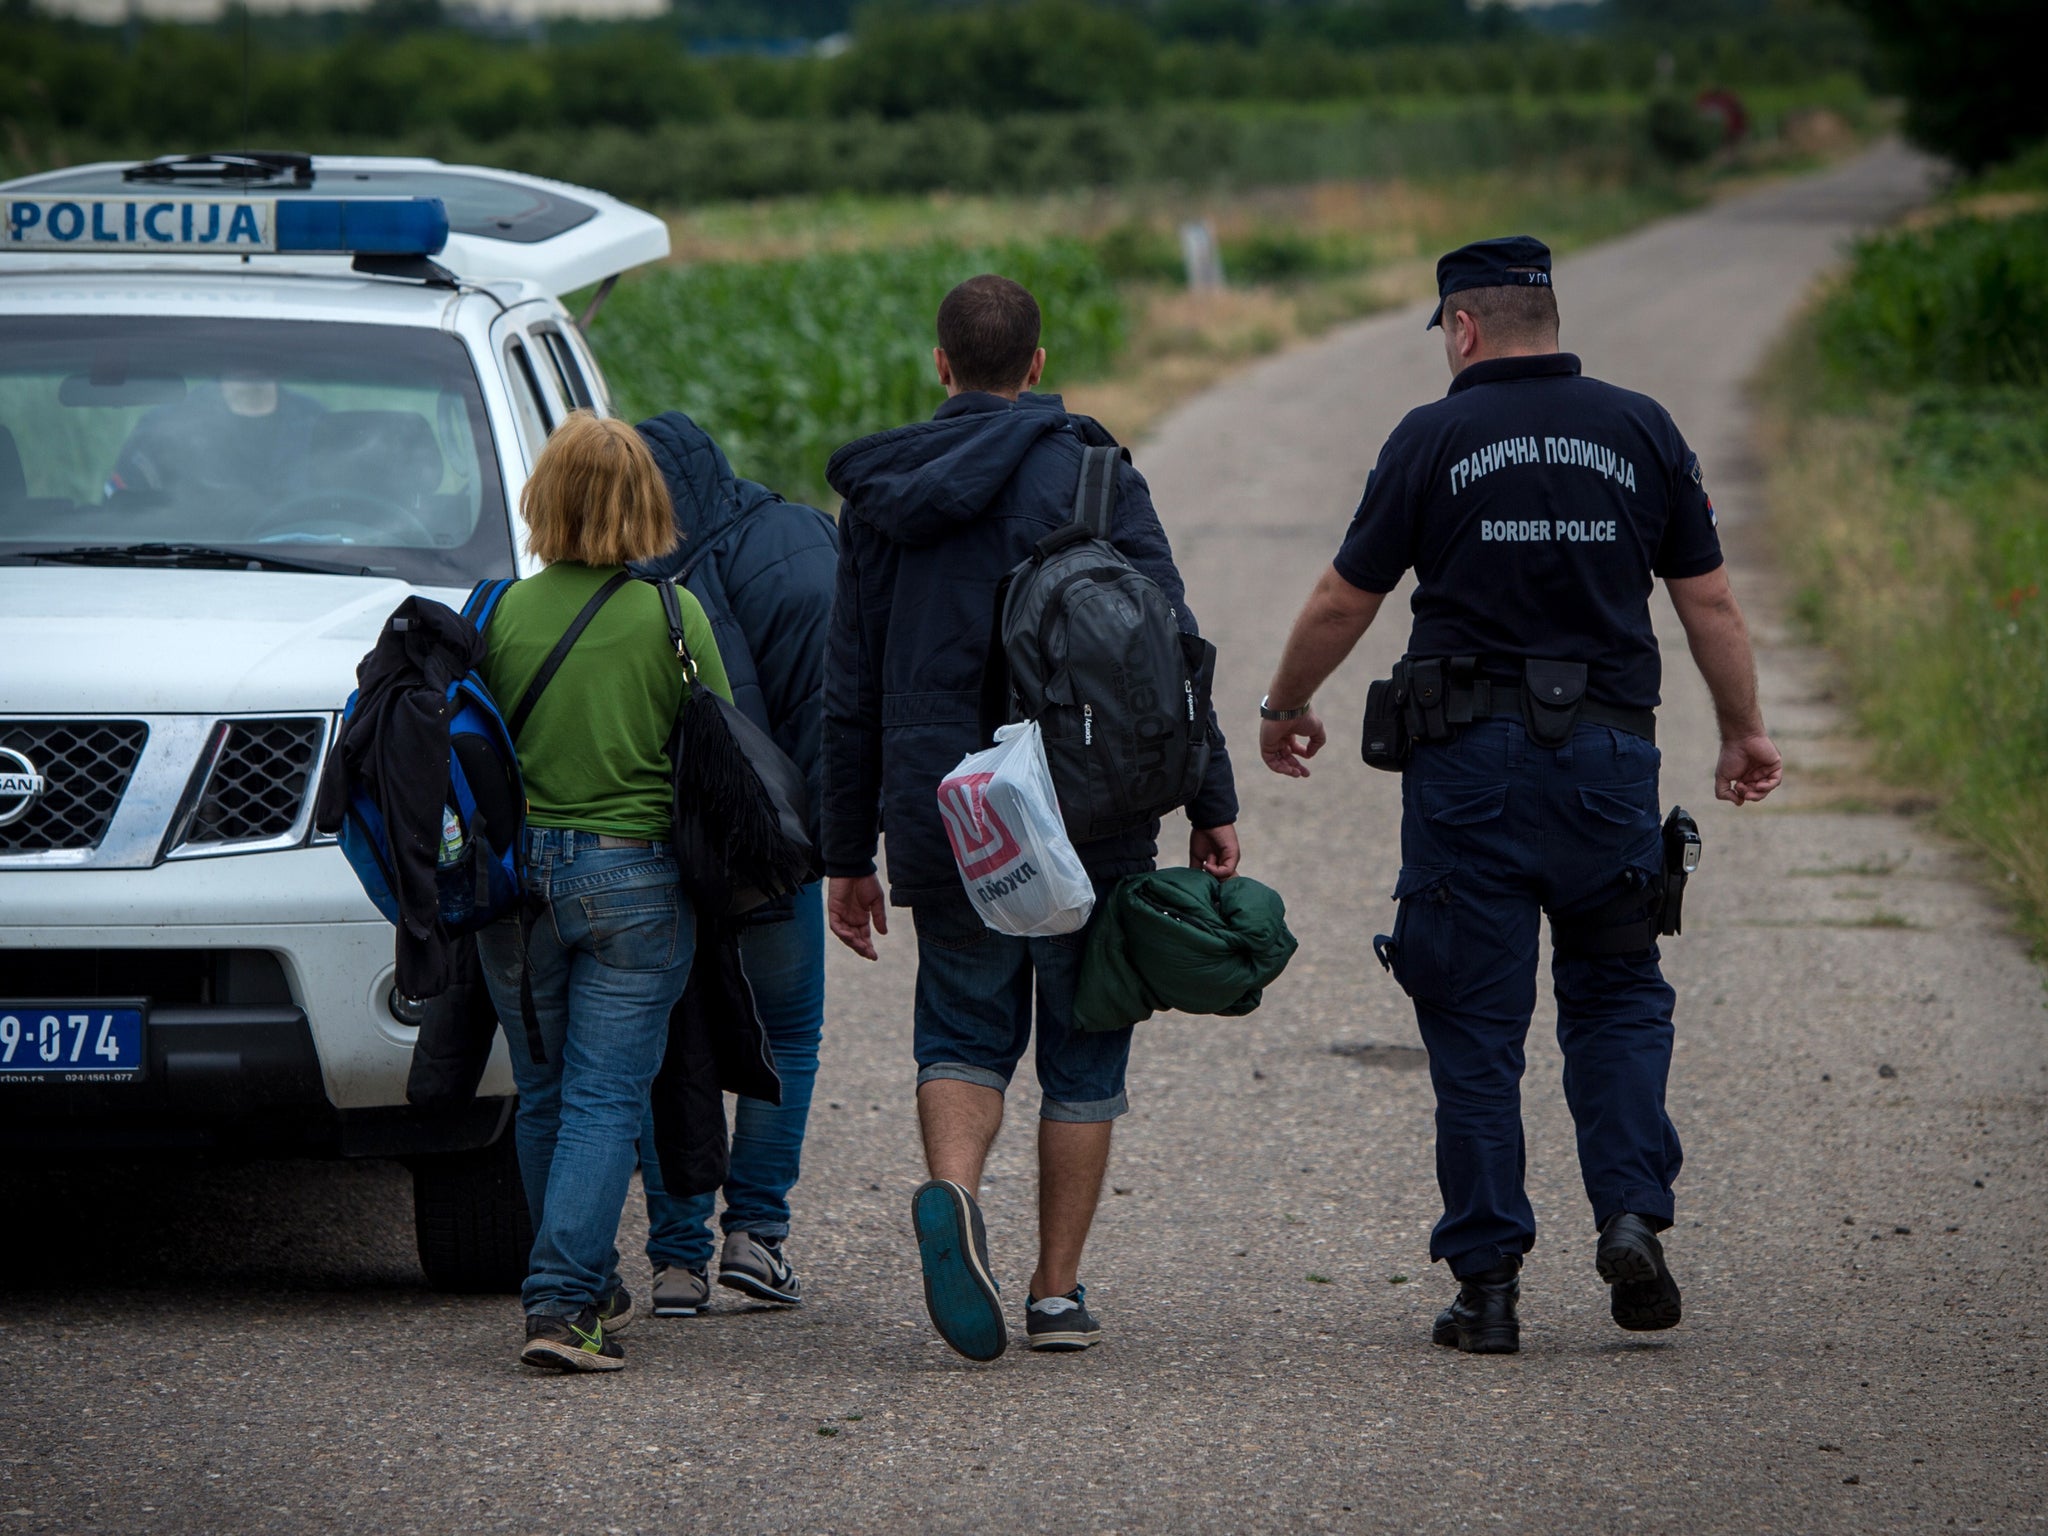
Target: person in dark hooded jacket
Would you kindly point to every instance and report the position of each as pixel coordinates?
(763, 569)
(935, 514)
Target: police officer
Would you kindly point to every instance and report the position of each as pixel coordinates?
(1535, 507)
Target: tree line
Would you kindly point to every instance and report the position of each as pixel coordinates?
(181, 86)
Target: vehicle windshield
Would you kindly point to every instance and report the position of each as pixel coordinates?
(356, 446)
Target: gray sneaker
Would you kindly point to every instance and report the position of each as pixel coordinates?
(679, 1292)
(755, 1265)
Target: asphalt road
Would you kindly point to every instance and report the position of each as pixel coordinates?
(1860, 1081)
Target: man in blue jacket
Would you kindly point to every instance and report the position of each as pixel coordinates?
(935, 514)
(763, 569)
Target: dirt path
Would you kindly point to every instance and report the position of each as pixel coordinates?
(1860, 1081)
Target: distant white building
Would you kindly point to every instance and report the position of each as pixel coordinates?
(105, 11)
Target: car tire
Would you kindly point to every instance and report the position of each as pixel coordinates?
(470, 1219)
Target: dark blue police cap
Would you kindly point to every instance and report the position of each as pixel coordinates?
(1501, 263)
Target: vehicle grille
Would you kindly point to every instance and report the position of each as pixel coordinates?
(260, 780)
(86, 765)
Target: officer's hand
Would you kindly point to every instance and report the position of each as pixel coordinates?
(850, 905)
(1749, 769)
(1214, 849)
(1284, 743)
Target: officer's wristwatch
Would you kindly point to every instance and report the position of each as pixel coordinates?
(1268, 712)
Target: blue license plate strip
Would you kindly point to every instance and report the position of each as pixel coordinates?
(66, 1040)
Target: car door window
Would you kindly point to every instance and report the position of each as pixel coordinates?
(579, 348)
(536, 419)
(568, 373)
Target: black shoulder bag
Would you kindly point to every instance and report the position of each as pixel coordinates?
(741, 806)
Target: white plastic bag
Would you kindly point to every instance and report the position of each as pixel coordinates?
(1003, 820)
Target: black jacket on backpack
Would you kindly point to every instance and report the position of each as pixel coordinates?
(395, 746)
(763, 569)
(936, 514)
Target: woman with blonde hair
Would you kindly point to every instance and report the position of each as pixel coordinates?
(608, 949)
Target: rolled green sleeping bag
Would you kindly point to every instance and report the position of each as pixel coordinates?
(1184, 940)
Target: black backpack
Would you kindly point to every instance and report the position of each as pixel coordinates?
(1090, 648)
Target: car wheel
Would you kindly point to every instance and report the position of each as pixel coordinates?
(470, 1220)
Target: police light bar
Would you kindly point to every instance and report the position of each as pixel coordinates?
(240, 226)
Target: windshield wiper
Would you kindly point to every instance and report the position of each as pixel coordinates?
(185, 556)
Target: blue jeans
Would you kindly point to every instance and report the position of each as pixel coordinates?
(1494, 830)
(973, 1015)
(609, 956)
(785, 964)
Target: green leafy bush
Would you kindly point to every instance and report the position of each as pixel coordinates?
(1679, 132)
(1135, 251)
(1279, 255)
(1964, 303)
(783, 361)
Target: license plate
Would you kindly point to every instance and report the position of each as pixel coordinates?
(72, 1042)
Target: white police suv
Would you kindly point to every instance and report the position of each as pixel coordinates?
(249, 402)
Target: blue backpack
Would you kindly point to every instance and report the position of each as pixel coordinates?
(481, 871)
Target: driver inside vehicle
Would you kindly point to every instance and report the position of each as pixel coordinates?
(242, 436)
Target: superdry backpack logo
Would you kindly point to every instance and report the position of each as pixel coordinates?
(1090, 648)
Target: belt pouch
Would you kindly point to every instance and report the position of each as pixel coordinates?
(1462, 700)
(1551, 694)
(1386, 740)
(1426, 718)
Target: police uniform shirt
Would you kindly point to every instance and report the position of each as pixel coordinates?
(1535, 507)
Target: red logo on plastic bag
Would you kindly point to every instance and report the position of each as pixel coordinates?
(981, 843)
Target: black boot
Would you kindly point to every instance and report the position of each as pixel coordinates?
(1482, 1320)
(1631, 1260)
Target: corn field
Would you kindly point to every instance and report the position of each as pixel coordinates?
(783, 361)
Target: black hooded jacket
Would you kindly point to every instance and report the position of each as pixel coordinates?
(762, 567)
(936, 513)
(394, 747)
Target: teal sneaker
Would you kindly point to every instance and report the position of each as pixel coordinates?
(959, 1292)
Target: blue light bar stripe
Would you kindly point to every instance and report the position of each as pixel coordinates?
(415, 226)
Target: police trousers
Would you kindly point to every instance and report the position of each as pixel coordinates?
(1495, 830)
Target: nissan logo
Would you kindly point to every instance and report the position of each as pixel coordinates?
(20, 786)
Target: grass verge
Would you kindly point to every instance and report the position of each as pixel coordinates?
(1907, 445)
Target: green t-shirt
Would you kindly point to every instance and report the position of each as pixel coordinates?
(594, 752)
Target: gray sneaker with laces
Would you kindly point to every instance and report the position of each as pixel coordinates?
(679, 1292)
(755, 1266)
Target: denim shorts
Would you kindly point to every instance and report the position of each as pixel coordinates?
(975, 1006)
